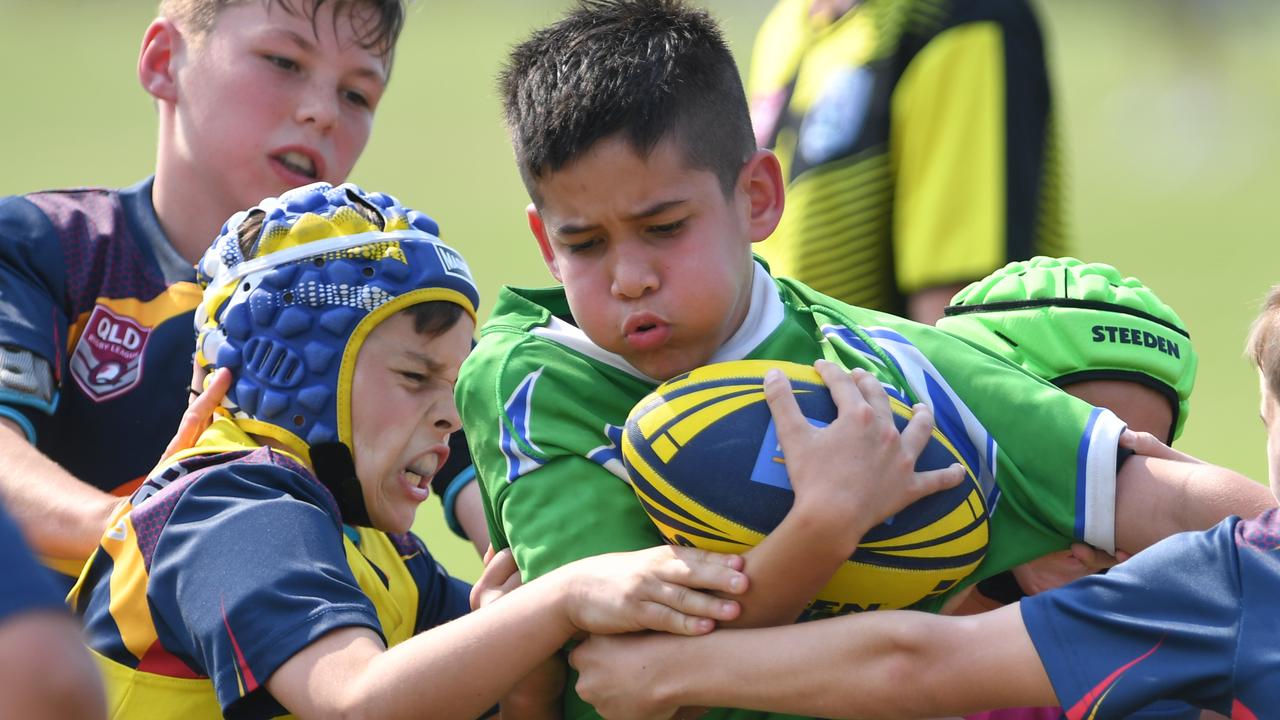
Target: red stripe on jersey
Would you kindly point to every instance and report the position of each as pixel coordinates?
(250, 684)
(1087, 706)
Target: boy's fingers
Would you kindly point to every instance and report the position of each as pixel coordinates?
(782, 405)
(687, 601)
(873, 393)
(931, 481)
(706, 575)
(919, 430)
(843, 386)
(657, 616)
(698, 555)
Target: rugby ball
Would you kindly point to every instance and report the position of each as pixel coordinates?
(703, 457)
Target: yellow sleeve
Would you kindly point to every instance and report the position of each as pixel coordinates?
(947, 146)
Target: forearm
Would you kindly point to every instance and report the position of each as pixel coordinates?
(458, 669)
(59, 515)
(853, 667)
(1156, 498)
(791, 565)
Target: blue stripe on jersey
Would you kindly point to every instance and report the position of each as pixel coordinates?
(952, 416)
(850, 338)
(610, 456)
(513, 429)
(1082, 477)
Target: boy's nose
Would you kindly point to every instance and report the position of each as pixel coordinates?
(446, 418)
(633, 277)
(320, 108)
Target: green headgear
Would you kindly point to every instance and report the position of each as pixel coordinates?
(1068, 321)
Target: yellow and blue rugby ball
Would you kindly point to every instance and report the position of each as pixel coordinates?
(703, 456)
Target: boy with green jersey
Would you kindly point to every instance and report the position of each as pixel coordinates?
(1192, 618)
(631, 132)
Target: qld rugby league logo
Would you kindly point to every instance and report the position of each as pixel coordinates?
(108, 359)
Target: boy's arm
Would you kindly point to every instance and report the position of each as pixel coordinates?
(60, 515)
(1156, 498)
(848, 477)
(853, 666)
(460, 668)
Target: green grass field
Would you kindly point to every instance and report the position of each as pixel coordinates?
(1167, 109)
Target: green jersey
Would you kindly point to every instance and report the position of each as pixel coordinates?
(543, 407)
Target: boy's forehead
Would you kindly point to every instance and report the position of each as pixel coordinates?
(347, 25)
(614, 176)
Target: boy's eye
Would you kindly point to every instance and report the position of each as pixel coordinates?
(582, 246)
(283, 63)
(666, 228)
(414, 377)
(357, 98)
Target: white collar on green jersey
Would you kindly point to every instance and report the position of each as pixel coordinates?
(763, 317)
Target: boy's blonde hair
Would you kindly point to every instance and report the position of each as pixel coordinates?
(1263, 345)
(376, 23)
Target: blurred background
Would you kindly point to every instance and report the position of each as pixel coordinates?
(1168, 107)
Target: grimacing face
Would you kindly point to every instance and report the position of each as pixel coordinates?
(402, 412)
(655, 259)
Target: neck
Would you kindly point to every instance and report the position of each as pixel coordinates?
(188, 209)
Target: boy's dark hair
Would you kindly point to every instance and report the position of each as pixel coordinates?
(646, 68)
(1263, 345)
(434, 318)
(375, 23)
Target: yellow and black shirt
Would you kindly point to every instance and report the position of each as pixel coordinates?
(918, 141)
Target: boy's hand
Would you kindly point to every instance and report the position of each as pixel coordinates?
(200, 409)
(1144, 443)
(500, 577)
(616, 675)
(654, 589)
(858, 467)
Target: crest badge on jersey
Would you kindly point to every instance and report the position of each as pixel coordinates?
(107, 360)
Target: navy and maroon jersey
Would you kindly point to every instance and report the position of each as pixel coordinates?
(224, 566)
(1193, 617)
(90, 285)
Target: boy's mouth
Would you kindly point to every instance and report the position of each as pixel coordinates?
(298, 163)
(645, 331)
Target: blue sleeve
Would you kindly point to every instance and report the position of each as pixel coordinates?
(24, 585)
(1164, 624)
(249, 570)
(441, 597)
(32, 283)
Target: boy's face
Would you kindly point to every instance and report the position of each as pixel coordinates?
(655, 260)
(1140, 407)
(266, 103)
(402, 412)
(1271, 419)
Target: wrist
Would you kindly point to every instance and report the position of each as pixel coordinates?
(824, 527)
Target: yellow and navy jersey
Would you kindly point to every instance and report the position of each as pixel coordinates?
(224, 566)
(90, 285)
(918, 142)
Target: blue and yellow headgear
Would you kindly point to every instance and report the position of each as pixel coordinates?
(293, 287)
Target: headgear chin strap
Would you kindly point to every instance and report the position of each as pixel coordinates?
(1068, 321)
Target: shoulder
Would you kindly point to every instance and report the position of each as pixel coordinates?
(200, 487)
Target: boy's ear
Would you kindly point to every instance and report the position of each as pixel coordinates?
(761, 180)
(539, 231)
(162, 45)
